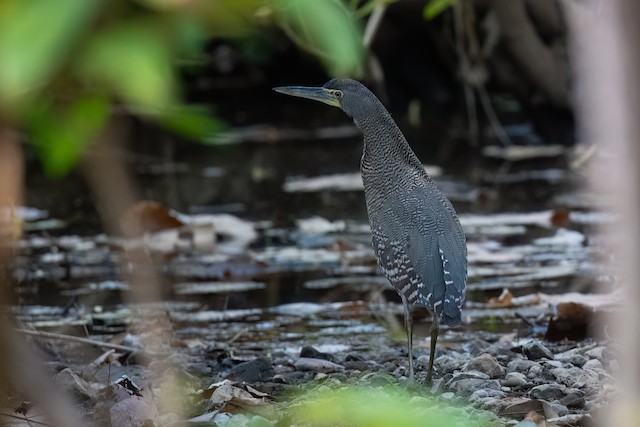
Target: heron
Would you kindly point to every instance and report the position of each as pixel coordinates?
(416, 234)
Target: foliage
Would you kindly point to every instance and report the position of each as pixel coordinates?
(436, 7)
(376, 407)
(67, 66)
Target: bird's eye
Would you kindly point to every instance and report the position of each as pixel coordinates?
(337, 94)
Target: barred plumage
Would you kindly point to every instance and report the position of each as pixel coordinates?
(417, 237)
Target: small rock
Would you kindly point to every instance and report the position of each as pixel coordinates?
(475, 347)
(448, 395)
(521, 365)
(559, 408)
(253, 371)
(444, 364)
(308, 351)
(575, 377)
(593, 364)
(466, 387)
(535, 350)
(483, 394)
(548, 392)
(515, 379)
(71, 382)
(134, 411)
(573, 357)
(596, 353)
(573, 400)
(487, 364)
(316, 365)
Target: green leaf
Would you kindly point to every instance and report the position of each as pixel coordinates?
(327, 29)
(192, 122)
(133, 60)
(436, 7)
(35, 37)
(61, 135)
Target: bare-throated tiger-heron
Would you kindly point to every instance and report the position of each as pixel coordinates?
(417, 237)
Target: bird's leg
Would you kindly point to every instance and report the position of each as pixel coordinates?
(435, 329)
(408, 324)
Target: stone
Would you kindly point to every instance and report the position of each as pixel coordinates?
(444, 364)
(72, 383)
(316, 365)
(593, 364)
(515, 379)
(487, 364)
(253, 371)
(548, 392)
(308, 351)
(573, 400)
(475, 347)
(559, 408)
(573, 357)
(575, 377)
(466, 386)
(596, 353)
(521, 365)
(535, 350)
(486, 393)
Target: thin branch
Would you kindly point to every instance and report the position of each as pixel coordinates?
(88, 341)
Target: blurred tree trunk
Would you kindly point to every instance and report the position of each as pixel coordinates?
(605, 38)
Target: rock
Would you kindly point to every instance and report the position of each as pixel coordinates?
(575, 377)
(521, 365)
(134, 411)
(573, 357)
(475, 347)
(559, 408)
(515, 379)
(308, 351)
(466, 386)
(316, 365)
(548, 392)
(596, 353)
(444, 364)
(448, 395)
(573, 400)
(253, 371)
(535, 350)
(72, 383)
(593, 364)
(487, 364)
(488, 393)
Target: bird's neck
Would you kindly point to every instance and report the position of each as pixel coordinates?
(385, 147)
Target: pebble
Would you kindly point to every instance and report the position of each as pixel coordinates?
(466, 386)
(308, 351)
(596, 353)
(487, 364)
(572, 356)
(444, 364)
(573, 400)
(593, 364)
(548, 392)
(515, 379)
(253, 371)
(316, 365)
(521, 365)
(475, 347)
(575, 377)
(535, 350)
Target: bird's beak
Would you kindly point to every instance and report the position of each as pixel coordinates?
(316, 93)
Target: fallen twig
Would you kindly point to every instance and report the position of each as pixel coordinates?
(51, 335)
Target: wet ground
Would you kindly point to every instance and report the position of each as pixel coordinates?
(274, 255)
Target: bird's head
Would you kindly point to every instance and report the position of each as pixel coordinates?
(349, 95)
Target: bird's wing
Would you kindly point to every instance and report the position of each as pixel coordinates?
(422, 250)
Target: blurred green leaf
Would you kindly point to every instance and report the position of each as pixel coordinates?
(327, 29)
(375, 407)
(193, 122)
(133, 60)
(62, 134)
(436, 7)
(35, 37)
